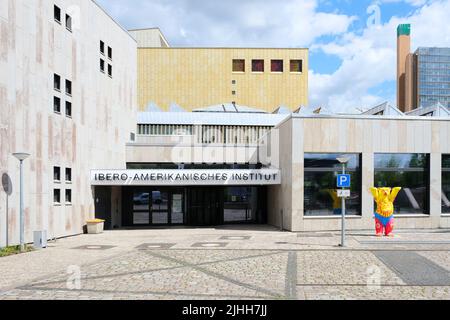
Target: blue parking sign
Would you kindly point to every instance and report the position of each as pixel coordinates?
(343, 181)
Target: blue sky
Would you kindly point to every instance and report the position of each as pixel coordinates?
(352, 42)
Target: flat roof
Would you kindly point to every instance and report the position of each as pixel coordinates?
(211, 118)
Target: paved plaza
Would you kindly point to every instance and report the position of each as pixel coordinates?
(232, 262)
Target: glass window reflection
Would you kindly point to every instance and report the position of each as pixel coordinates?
(408, 171)
(320, 192)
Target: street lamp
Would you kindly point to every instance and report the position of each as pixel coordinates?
(343, 160)
(21, 156)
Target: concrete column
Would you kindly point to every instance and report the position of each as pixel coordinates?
(296, 137)
(435, 187)
(367, 178)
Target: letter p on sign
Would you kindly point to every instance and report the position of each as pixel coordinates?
(343, 181)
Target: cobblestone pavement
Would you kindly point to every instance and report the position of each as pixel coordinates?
(232, 263)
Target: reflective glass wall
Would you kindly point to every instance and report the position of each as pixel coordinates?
(409, 171)
(320, 195)
(446, 183)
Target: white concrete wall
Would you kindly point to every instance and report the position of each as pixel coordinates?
(365, 135)
(32, 48)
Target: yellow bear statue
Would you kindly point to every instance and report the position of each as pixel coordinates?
(384, 215)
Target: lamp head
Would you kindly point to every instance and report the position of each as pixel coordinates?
(343, 159)
(21, 155)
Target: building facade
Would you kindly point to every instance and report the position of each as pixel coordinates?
(266, 78)
(67, 97)
(423, 77)
(218, 168)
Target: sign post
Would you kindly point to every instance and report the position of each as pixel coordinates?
(343, 181)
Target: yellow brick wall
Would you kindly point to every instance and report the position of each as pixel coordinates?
(200, 77)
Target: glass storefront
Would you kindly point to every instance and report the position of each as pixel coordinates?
(197, 206)
(153, 206)
(320, 192)
(446, 183)
(409, 171)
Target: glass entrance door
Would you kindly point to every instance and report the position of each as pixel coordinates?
(159, 210)
(155, 206)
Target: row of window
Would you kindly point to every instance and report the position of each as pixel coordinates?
(435, 92)
(57, 16)
(409, 171)
(207, 134)
(276, 65)
(434, 85)
(103, 60)
(57, 180)
(57, 196)
(433, 72)
(57, 101)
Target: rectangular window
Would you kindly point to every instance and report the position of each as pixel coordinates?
(296, 66)
(56, 174)
(68, 175)
(238, 65)
(68, 196)
(57, 82)
(68, 22)
(69, 87)
(102, 47)
(446, 183)
(110, 70)
(110, 53)
(408, 171)
(320, 192)
(102, 65)
(276, 66)
(56, 196)
(258, 65)
(68, 109)
(233, 93)
(57, 14)
(56, 104)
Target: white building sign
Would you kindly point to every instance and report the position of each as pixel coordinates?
(164, 177)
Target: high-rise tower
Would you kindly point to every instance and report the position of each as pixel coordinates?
(403, 51)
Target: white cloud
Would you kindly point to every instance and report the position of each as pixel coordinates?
(369, 59)
(248, 23)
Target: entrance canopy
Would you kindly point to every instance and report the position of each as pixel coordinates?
(189, 177)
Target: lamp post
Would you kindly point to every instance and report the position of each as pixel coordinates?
(343, 160)
(21, 156)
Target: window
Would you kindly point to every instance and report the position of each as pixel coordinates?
(56, 174)
(102, 47)
(320, 192)
(233, 81)
(68, 196)
(56, 104)
(68, 175)
(56, 196)
(233, 93)
(69, 87)
(102, 65)
(276, 66)
(409, 171)
(238, 65)
(110, 70)
(68, 22)
(446, 183)
(57, 82)
(296, 66)
(57, 14)
(68, 109)
(257, 65)
(110, 53)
